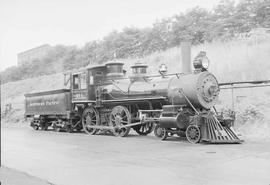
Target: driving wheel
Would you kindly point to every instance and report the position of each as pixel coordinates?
(90, 117)
(120, 116)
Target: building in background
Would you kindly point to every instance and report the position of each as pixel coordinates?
(32, 54)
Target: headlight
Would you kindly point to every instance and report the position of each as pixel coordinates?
(205, 62)
(201, 61)
(163, 69)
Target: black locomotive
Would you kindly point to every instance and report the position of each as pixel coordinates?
(103, 98)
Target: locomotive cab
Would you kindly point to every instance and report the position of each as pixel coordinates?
(96, 75)
(85, 82)
(79, 86)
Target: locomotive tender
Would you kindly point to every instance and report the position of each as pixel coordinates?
(102, 98)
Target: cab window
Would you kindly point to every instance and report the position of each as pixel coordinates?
(79, 81)
(83, 81)
(139, 70)
(75, 81)
(143, 70)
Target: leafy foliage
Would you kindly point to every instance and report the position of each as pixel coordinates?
(197, 25)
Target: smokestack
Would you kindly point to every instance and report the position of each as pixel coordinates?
(186, 57)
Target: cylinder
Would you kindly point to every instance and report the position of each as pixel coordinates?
(186, 57)
(168, 122)
(179, 120)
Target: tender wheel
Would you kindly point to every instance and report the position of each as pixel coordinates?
(193, 134)
(90, 117)
(57, 129)
(44, 126)
(120, 116)
(35, 127)
(144, 129)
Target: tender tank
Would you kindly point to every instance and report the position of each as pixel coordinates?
(56, 102)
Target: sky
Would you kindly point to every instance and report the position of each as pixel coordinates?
(25, 24)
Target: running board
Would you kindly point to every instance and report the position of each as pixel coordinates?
(213, 132)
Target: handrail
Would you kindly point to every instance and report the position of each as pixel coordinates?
(244, 82)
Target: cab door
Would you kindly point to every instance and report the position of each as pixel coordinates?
(96, 77)
(79, 87)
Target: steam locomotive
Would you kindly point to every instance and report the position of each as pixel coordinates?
(102, 98)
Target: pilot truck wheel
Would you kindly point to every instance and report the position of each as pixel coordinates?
(193, 134)
(35, 127)
(158, 131)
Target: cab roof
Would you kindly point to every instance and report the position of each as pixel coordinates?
(95, 66)
(114, 62)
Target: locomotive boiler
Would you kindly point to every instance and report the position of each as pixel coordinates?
(103, 98)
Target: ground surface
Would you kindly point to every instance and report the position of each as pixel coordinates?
(13, 177)
(63, 159)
